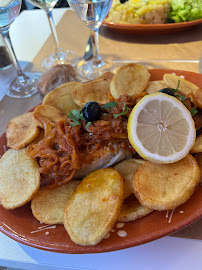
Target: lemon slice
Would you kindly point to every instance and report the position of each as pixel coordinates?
(161, 128)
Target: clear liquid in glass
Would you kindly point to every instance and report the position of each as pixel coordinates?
(44, 4)
(9, 10)
(92, 13)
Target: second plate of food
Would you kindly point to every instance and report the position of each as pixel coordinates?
(151, 28)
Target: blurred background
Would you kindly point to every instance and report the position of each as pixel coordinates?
(27, 5)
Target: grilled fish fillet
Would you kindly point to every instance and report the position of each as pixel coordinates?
(105, 157)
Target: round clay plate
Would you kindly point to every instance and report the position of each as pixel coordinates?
(20, 225)
(151, 28)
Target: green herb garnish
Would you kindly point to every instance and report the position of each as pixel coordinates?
(110, 105)
(88, 125)
(75, 116)
(193, 111)
(176, 89)
(125, 110)
(183, 98)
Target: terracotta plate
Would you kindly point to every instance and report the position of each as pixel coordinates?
(151, 28)
(20, 225)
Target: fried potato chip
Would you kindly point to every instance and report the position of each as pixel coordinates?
(132, 210)
(96, 90)
(127, 168)
(61, 97)
(46, 114)
(107, 75)
(198, 96)
(93, 208)
(19, 178)
(129, 79)
(21, 131)
(48, 205)
(38, 138)
(186, 87)
(166, 186)
(198, 158)
(197, 147)
(154, 86)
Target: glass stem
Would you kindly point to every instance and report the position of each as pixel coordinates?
(9, 46)
(53, 30)
(95, 44)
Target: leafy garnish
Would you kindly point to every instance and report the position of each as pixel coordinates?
(73, 124)
(125, 110)
(75, 116)
(176, 89)
(110, 105)
(81, 117)
(183, 98)
(193, 111)
(88, 125)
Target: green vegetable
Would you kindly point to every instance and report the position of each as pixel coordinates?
(88, 125)
(75, 116)
(181, 97)
(110, 105)
(125, 110)
(185, 10)
(193, 111)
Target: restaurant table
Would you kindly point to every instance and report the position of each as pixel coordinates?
(30, 35)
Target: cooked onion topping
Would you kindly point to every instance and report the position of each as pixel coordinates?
(74, 141)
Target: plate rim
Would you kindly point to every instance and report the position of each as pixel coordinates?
(151, 26)
(95, 249)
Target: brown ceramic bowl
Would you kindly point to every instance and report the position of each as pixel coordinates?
(150, 28)
(20, 225)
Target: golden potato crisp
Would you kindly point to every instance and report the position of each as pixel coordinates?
(19, 178)
(132, 210)
(155, 86)
(130, 79)
(61, 97)
(197, 147)
(93, 208)
(185, 86)
(46, 114)
(198, 95)
(198, 158)
(96, 90)
(166, 186)
(127, 168)
(48, 205)
(21, 131)
(107, 75)
(39, 137)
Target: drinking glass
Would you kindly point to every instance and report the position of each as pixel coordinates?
(25, 85)
(60, 56)
(92, 13)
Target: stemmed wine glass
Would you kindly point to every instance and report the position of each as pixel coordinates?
(92, 13)
(60, 57)
(25, 85)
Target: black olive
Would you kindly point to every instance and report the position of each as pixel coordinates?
(168, 91)
(123, 1)
(91, 111)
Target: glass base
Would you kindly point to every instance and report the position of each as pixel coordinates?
(23, 86)
(66, 57)
(92, 69)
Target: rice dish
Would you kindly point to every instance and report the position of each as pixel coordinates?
(139, 11)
